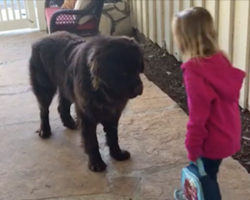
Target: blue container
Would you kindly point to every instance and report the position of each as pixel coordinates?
(197, 185)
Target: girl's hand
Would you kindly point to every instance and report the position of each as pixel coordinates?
(192, 157)
(193, 162)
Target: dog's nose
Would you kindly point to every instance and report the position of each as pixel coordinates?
(138, 89)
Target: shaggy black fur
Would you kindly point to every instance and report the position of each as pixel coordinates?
(99, 76)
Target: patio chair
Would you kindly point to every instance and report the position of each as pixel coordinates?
(72, 20)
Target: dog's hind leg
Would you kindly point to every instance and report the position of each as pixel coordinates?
(64, 111)
(44, 97)
(44, 91)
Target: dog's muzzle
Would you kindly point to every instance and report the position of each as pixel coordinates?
(138, 90)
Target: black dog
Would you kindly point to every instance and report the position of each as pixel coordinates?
(99, 76)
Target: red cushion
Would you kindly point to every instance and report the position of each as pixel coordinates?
(48, 13)
(89, 25)
(66, 22)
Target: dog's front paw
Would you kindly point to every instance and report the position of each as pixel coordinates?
(70, 124)
(120, 155)
(44, 134)
(99, 166)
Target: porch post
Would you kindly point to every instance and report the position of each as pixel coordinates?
(41, 14)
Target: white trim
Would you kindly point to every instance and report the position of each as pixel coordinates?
(14, 24)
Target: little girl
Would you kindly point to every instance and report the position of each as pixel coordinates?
(212, 86)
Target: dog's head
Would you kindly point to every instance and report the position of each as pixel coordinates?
(115, 66)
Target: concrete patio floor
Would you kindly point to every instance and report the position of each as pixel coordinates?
(152, 128)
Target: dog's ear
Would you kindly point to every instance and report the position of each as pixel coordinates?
(137, 45)
(94, 60)
(133, 40)
(142, 67)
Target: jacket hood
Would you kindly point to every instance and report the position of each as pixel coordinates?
(225, 79)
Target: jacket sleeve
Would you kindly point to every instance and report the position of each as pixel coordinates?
(199, 105)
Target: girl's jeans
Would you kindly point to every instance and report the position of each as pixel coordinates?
(212, 168)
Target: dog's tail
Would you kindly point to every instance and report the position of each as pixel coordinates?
(41, 83)
(35, 64)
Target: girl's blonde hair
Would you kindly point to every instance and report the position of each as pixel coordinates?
(195, 33)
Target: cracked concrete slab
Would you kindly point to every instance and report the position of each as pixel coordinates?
(152, 128)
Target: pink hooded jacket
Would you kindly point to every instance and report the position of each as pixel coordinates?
(213, 87)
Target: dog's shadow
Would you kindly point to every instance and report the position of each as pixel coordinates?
(67, 142)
